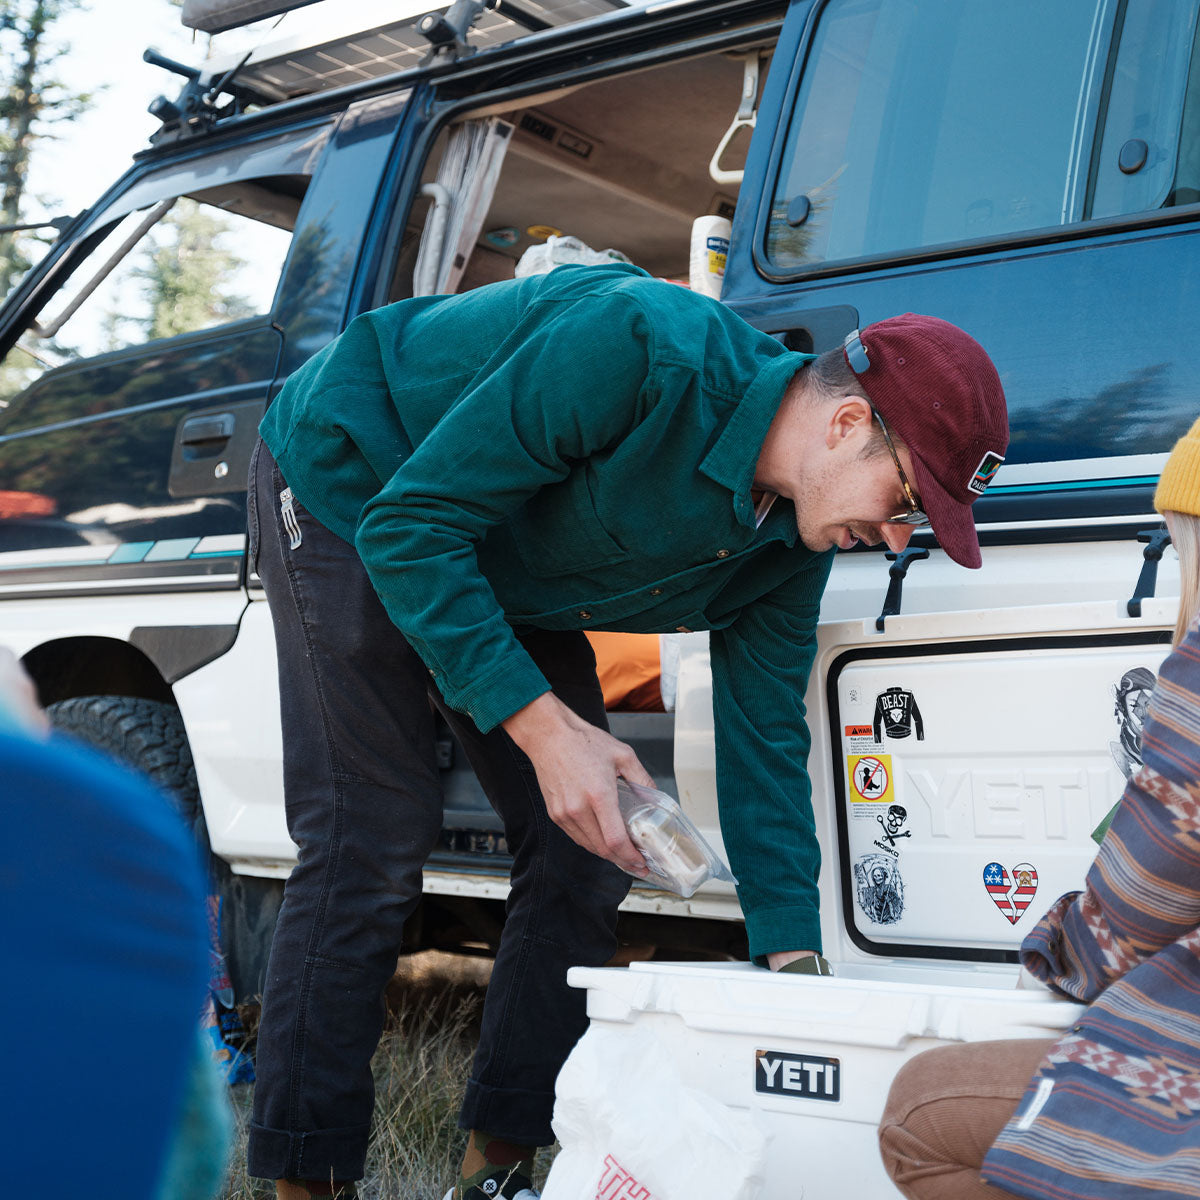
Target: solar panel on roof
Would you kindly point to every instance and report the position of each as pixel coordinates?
(216, 16)
(323, 52)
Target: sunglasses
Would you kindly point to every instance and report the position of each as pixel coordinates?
(915, 515)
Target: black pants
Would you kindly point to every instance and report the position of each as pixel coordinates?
(364, 806)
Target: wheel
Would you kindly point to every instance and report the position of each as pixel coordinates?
(149, 736)
(146, 734)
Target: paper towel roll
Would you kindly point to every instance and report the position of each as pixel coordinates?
(710, 246)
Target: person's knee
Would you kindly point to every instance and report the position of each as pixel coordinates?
(918, 1081)
(906, 1122)
(947, 1105)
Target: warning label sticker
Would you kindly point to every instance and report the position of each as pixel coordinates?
(860, 739)
(870, 778)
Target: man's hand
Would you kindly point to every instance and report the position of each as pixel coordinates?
(577, 767)
(782, 957)
(799, 962)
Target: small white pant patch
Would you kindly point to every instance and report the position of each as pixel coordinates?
(1036, 1104)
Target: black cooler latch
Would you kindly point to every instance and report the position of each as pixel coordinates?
(896, 573)
(1159, 540)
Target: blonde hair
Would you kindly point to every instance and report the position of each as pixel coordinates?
(1185, 530)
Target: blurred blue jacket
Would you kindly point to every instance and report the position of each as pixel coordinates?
(103, 930)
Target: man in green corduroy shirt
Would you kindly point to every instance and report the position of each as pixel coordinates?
(442, 501)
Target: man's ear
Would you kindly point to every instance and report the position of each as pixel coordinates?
(851, 418)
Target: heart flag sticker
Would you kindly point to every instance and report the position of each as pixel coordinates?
(1011, 894)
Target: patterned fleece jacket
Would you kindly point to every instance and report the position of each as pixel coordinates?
(1114, 1110)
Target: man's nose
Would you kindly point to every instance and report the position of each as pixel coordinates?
(896, 536)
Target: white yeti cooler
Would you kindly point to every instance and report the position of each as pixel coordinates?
(959, 764)
(804, 1062)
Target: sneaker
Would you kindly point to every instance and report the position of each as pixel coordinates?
(526, 1193)
(494, 1169)
(299, 1189)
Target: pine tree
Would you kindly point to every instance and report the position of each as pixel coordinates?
(187, 273)
(32, 102)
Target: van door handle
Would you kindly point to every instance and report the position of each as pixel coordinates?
(201, 430)
(813, 330)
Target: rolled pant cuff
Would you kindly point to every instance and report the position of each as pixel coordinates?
(513, 1114)
(334, 1154)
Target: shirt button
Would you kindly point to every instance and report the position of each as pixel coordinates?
(584, 615)
(682, 629)
(722, 553)
(656, 591)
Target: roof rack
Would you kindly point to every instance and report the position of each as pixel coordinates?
(319, 52)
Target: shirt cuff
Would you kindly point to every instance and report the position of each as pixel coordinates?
(500, 693)
(795, 928)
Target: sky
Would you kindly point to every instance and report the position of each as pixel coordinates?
(104, 54)
(105, 51)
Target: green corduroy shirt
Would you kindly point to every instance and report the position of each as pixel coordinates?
(576, 451)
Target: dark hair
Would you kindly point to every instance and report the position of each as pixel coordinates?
(830, 378)
(830, 373)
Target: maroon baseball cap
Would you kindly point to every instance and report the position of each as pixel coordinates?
(939, 392)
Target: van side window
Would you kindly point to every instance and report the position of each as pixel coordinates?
(183, 264)
(1145, 121)
(940, 123)
(608, 163)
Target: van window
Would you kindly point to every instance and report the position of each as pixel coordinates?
(181, 265)
(607, 163)
(923, 125)
(940, 122)
(1145, 121)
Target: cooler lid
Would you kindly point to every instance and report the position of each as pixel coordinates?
(969, 779)
(885, 1009)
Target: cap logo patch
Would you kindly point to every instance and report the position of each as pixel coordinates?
(989, 464)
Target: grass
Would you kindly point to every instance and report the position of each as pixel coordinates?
(420, 1070)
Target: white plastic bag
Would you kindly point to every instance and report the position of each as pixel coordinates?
(678, 856)
(557, 250)
(631, 1129)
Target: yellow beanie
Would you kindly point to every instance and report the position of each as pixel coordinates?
(1179, 485)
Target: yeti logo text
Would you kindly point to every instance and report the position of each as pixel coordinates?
(806, 1076)
(617, 1184)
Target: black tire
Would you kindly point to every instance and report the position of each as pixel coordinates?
(146, 734)
(149, 736)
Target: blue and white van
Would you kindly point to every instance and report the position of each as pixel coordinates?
(1029, 170)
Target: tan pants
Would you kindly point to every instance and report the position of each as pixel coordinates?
(945, 1109)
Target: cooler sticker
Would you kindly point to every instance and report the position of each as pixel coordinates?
(616, 1183)
(870, 778)
(860, 810)
(1132, 696)
(989, 464)
(879, 888)
(889, 824)
(1011, 895)
(896, 714)
(860, 739)
(804, 1076)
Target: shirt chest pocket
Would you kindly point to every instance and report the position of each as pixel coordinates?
(558, 531)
